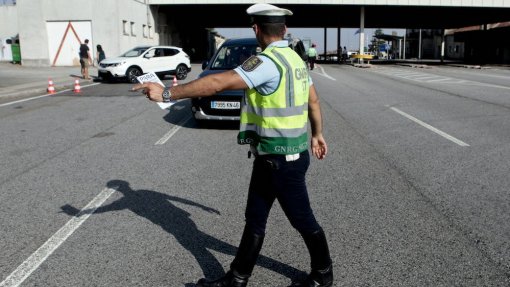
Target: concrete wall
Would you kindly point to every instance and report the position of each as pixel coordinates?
(9, 22)
(8, 29)
(112, 23)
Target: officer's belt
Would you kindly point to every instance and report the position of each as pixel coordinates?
(256, 153)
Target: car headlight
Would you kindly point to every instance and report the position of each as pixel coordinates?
(118, 64)
(102, 65)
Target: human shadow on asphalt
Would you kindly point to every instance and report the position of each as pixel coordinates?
(159, 209)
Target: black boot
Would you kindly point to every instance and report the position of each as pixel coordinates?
(317, 278)
(243, 264)
(322, 268)
(231, 279)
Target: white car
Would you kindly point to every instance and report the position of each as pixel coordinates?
(162, 60)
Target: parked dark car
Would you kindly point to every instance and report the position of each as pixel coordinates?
(297, 45)
(232, 53)
(225, 105)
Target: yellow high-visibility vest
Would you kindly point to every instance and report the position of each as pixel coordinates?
(277, 123)
(312, 52)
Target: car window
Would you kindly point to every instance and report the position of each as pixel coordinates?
(152, 53)
(229, 57)
(135, 52)
(170, 52)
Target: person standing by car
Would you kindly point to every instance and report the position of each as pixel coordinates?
(100, 54)
(279, 101)
(85, 59)
(312, 56)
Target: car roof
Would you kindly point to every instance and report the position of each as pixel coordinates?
(240, 41)
(157, 46)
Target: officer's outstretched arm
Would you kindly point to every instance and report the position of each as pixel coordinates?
(318, 144)
(203, 87)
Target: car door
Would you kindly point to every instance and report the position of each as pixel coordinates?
(150, 60)
(169, 59)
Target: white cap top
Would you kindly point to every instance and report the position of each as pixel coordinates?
(263, 9)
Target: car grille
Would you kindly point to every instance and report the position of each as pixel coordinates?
(107, 65)
(205, 106)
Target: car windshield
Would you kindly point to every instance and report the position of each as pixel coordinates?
(229, 57)
(135, 52)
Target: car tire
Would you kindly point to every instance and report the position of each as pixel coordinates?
(132, 73)
(181, 72)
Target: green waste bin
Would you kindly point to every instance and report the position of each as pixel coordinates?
(16, 53)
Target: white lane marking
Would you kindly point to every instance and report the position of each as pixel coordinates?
(423, 78)
(172, 131)
(40, 255)
(439, 132)
(487, 85)
(439, 80)
(323, 73)
(42, 96)
(430, 78)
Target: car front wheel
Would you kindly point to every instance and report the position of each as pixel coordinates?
(132, 73)
(181, 72)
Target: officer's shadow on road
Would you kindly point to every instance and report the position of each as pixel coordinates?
(159, 209)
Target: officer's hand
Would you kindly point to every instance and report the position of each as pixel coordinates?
(153, 91)
(319, 147)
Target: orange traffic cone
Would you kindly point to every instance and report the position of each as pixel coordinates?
(175, 81)
(51, 88)
(77, 88)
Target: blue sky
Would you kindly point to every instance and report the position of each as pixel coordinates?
(316, 35)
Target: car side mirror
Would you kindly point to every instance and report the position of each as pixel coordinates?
(204, 64)
(147, 56)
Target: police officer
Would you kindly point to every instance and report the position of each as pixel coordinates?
(279, 100)
(312, 56)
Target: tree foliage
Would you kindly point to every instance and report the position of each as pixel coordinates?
(375, 42)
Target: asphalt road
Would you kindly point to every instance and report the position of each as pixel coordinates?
(413, 192)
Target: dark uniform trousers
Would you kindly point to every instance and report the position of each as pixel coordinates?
(275, 178)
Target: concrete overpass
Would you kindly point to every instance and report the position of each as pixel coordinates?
(346, 14)
(192, 17)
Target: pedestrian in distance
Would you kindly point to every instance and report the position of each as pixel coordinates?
(100, 54)
(85, 59)
(312, 56)
(344, 55)
(280, 100)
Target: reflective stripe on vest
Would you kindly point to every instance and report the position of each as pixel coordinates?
(277, 123)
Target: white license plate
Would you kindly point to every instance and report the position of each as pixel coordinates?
(225, 105)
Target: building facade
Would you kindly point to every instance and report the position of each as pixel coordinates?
(51, 31)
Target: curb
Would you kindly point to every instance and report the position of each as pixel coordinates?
(420, 66)
(471, 66)
(39, 88)
(362, 65)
